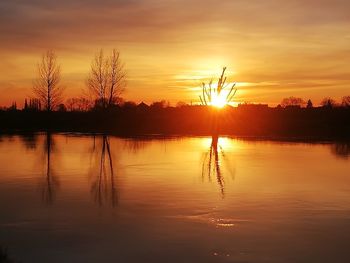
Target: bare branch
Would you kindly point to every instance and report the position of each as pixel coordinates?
(209, 92)
(46, 87)
(107, 78)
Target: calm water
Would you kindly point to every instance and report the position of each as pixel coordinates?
(75, 198)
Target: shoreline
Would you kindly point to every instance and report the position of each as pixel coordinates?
(316, 124)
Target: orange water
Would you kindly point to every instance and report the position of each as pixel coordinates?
(79, 198)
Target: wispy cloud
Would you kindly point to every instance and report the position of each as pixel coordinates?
(173, 43)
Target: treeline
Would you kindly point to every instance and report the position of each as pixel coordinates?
(245, 120)
(83, 104)
(325, 102)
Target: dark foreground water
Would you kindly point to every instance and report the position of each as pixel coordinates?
(74, 198)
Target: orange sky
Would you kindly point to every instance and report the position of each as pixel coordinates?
(272, 48)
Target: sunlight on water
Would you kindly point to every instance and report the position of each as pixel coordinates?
(76, 198)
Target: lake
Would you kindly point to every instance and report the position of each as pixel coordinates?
(84, 198)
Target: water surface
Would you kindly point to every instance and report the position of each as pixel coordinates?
(80, 198)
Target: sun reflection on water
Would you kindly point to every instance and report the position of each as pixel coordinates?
(215, 162)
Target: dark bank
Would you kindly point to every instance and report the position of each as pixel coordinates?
(245, 120)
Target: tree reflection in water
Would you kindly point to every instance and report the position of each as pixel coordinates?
(341, 149)
(103, 187)
(29, 140)
(50, 184)
(212, 164)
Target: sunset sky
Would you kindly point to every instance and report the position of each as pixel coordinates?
(272, 48)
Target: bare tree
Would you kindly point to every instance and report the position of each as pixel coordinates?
(46, 87)
(209, 92)
(78, 104)
(160, 104)
(328, 103)
(98, 78)
(345, 101)
(106, 80)
(292, 101)
(116, 77)
(181, 104)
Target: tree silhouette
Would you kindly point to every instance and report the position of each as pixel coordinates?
(46, 87)
(309, 104)
(78, 104)
(25, 104)
(328, 102)
(116, 77)
(292, 101)
(106, 80)
(209, 92)
(345, 101)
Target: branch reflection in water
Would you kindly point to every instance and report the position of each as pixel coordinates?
(50, 182)
(103, 188)
(341, 149)
(30, 141)
(215, 163)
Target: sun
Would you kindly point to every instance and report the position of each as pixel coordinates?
(218, 95)
(218, 101)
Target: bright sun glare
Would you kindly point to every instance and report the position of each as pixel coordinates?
(218, 95)
(219, 100)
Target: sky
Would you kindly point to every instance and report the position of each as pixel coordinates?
(272, 48)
